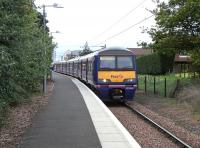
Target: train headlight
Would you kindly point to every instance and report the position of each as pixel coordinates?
(129, 80)
(104, 80)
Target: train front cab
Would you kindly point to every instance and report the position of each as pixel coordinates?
(116, 76)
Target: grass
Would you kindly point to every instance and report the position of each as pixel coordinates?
(196, 116)
(171, 83)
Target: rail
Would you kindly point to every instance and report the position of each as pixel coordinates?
(175, 139)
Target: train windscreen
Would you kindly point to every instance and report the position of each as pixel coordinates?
(116, 62)
(124, 62)
(107, 62)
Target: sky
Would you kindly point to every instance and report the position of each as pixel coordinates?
(91, 20)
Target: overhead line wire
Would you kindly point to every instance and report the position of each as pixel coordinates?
(118, 21)
(125, 30)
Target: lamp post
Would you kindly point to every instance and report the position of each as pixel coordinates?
(54, 32)
(53, 53)
(44, 24)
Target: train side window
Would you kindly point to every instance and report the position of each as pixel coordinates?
(74, 66)
(84, 66)
(87, 65)
(90, 65)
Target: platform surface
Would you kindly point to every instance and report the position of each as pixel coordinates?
(76, 118)
(64, 122)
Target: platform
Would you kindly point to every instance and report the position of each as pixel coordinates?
(75, 118)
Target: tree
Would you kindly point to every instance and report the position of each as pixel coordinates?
(177, 28)
(143, 44)
(86, 50)
(40, 21)
(22, 44)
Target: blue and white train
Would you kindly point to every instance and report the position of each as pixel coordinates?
(110, 71)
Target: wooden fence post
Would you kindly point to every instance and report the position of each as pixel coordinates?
(145, 84)
(154, 85)
(165, 87)
(184, 70)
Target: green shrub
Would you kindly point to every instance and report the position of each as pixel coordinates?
(150, 64)
(3, 108)
(154, 64)
(25, 51)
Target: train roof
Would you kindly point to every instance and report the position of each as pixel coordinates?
(76, 58)
(115, 51)
(59, 62)
(104, 51)
(108, 51)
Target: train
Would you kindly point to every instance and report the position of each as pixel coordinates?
(110, 72)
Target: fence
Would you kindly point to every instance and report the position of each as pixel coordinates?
(163, 85)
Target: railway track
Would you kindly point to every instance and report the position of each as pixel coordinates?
(160, 128)
(167, 133)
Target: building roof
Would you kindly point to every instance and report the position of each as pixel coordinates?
(182, 59)
(141, 51)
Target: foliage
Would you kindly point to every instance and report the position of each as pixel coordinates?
(150, 64)
(196, 58)
(177, 28)
(154, 64)
(86, 50)
(23, 40)
(143, 44)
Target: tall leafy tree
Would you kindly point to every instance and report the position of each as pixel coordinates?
(22, 44)
(177, 28)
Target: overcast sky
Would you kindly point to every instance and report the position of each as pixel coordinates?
(87, 20)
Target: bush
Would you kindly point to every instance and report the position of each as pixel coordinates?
(3, 108)
(25, 51)
(154, 64)
(150, 64)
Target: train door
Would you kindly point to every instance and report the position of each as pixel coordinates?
(86, 69)
(73, 68)
(77, 69)
(66, 68)
(69, 68)
(81, 70)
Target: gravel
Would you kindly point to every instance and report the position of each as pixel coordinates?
(19, 119)
(182, 114)
(178, 119)
(146, 135)
(185, 135)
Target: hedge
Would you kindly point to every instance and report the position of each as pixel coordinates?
(154, 64)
